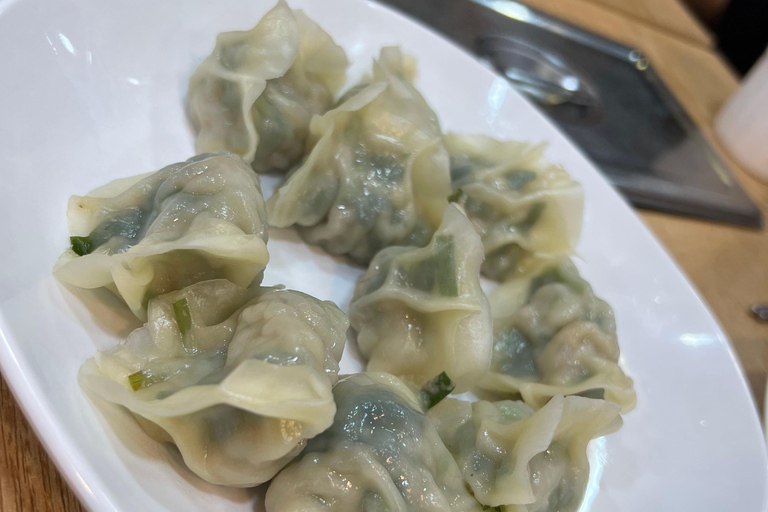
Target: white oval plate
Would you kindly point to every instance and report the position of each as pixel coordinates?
(92, 90)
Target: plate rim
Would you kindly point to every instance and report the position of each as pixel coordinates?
(88, 485)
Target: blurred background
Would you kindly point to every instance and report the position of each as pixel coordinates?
(740, 28)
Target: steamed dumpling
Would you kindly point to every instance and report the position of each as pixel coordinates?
(238, 379)
(381, 454)
(256, 93)
(376, 174)
(151, 234)
(525, 461)
(421, 311)
(524, 208)
(552, 335)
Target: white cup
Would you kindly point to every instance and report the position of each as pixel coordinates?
(742, 124)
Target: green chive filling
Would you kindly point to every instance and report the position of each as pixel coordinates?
(534, 214)
(445, 266)
(519, 179)
(554, 275)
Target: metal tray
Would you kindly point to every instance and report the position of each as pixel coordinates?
(606, 97)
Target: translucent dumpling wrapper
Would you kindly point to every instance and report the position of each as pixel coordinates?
(256, 93)
(155, 233)
(380, 454)
(525, 209)
(552, 336)
(420, 311)
(525, 461)
(238, 379)
(376, 173)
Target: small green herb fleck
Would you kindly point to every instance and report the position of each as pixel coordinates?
(436, 389)
(520, 178)
(497, 509)
(144, 379)
(456, 196)
(82, 245)
(183, 316)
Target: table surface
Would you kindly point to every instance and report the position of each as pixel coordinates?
(726, 263)
(668, 15)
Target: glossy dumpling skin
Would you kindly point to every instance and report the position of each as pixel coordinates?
(421, 311)
(524, 208)
(521, 460)
(381, 454)
(376, 173)
(151, 234)
(552, 335)
(256, 93)
(238, 379)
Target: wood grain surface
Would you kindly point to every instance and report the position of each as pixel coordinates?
(672, 17)
(29, 482)
(729, 265)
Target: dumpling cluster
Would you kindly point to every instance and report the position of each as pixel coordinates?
(152, 234)
(256, 93)
(525, 209)
(376, 173)
(552, 336)
(381, 453)
(521, 460)
(208, 372)
(420, 311)
(243, 379)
